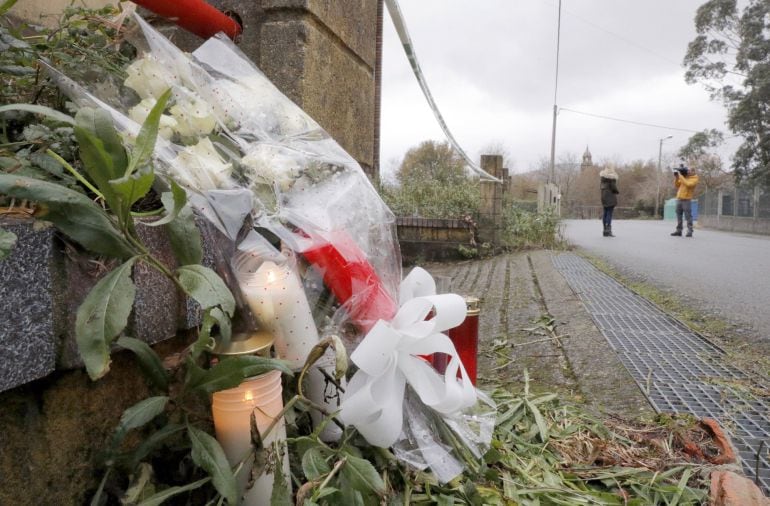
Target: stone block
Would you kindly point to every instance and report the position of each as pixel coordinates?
(354, 22)
(332, 86)
(27, 326)
(157, 305)
(45, 280)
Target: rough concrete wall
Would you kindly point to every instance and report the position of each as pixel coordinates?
(735, 224)
(52, 430)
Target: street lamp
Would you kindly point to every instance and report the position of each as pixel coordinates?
(657, 179)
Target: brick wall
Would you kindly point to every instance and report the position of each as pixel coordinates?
(433, 239)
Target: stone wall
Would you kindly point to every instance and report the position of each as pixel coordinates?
(433, 239)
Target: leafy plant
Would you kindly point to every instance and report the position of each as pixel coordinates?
(523, 229)
(120, 178)
(81, 44)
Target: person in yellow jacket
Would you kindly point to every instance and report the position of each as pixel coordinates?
(685, 181)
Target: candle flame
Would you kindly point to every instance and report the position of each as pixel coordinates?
(249, 396)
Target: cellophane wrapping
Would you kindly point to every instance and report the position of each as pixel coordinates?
(274, 192)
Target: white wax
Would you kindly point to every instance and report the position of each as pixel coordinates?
(276, 297)
(232, 423)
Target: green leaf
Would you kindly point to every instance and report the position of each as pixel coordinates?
(39, 109)
(149, 362)
(131, 188)
(98, 123)
(168, 493)
(206, 287)
(148, 134)
(6, 6)
(7, 241)
(208, 455)
(72, 212)
(224, 322)
(314, 464)
(185, 238)
(231, 371)
(542, 427)
(361, 475)
(98, 165)
(280, 495)
(150, 443)
(142, 412)
(173, 201)
(102, 316)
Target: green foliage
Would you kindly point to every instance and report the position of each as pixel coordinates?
(81, 44)
(72, 212)
(102, 316)
(524, 230)
(729, 57)
(121, 178)
(432, 183)
(208, 454)
(541, 453)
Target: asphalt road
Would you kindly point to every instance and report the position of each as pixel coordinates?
(725, 273)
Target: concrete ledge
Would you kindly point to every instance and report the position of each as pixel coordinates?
(736, 224)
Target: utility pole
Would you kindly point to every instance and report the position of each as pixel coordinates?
(552, 176)
(657, 178)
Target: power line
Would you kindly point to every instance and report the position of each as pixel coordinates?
(629, 121)
(618, 36)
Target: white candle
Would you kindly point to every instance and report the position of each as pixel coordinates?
(232, 411)
(324, 392)
(276, 297)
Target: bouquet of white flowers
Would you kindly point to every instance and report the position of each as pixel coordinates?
(295, 212)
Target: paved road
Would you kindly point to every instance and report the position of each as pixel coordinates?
(723, 272)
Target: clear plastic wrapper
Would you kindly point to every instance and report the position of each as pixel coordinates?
(302, 237)
(243, 150)
(445, 444)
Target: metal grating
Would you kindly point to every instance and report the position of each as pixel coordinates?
(677, 369)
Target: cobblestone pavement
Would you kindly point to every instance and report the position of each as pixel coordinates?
(608, 347)
(531, 320)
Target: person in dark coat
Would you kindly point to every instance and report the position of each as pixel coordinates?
(609, 188)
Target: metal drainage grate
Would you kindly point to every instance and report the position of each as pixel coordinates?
(678, 370)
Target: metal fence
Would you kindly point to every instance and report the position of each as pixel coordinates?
(743, 208)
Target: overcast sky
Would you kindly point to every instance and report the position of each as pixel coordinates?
(490, 65)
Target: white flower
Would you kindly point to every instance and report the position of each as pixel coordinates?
(140, 112)
(201, 168)
(149, 78)
(194, 117)
(272, 165)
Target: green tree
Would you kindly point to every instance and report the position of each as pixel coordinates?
(730, 56)
(699, 150)
(433, 183)
(432, 161)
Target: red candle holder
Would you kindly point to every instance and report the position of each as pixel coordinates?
(465, 337)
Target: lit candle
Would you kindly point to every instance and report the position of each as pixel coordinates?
(276, 297)
(232, 411)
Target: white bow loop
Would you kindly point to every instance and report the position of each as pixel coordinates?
(389, 357)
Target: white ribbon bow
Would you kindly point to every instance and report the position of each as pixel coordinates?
(387, 359)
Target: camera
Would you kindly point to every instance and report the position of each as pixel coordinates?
(681, 170)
